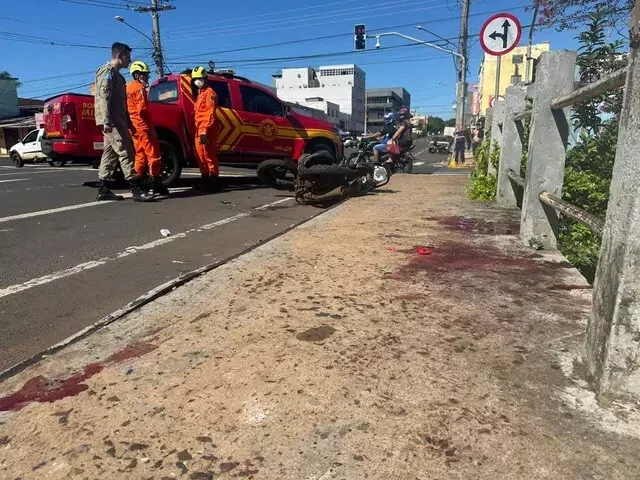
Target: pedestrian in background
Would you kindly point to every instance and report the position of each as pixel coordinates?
(148, 158)
(460, 142)
(206, 141)
(111, 114)
(467, 137)
(478, 138)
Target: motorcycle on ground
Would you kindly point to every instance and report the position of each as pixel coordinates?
(316, 178)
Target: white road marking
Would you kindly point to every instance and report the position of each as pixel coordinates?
(50, 211)
(39, 169)
(35, 282)
(417, 164)
(14, 180)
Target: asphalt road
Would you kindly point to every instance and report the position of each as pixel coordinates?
(67, 261)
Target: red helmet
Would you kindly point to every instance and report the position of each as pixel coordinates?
(404, 113)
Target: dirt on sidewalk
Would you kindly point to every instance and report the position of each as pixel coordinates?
(403, 335)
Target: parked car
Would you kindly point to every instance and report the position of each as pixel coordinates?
(29, 149)
(253, 124)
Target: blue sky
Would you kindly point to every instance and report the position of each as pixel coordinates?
(197, 31)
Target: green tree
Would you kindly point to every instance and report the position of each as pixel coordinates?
(569, 14)
(4, 75)
(435, 125)
(450, 123)
(590, 162)
(597, 58)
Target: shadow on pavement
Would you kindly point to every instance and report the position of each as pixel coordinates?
(227, 184)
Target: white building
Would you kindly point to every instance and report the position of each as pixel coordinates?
(342, 85)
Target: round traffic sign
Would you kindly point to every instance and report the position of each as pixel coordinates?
(500, 34)
(492, 101)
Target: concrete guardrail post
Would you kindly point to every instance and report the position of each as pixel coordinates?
(547, 149)
(613, 332)
(511, 152)
(488, 119)
(496, 129)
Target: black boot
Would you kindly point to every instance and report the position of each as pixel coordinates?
(104, 194)
(214, 184)
(158, 188)
(203, 186)
(139, 195)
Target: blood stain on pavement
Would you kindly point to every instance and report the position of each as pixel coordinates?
(41, 389)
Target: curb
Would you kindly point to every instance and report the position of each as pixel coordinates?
(148, 297)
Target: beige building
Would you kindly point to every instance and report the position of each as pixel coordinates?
(512, 71)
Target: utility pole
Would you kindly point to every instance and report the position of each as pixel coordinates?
(156, 7)
(462, 63)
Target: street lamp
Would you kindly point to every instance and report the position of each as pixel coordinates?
(122, 20)
(157, 51)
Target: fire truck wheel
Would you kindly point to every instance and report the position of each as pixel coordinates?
(171, 164)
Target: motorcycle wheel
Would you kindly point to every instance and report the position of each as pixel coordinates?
(406, 164)
(329, 172)
(275, 174)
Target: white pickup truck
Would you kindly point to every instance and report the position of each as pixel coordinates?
(29, 149)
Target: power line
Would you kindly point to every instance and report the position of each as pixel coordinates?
(68, 90)
(54, 77)
(279, 12)
(259, 61)
(18, 37)
(222, 29)
(350, 34)
(48, 27)
(105, 4)
(322, 23)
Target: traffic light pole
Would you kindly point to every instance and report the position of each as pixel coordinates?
(416, 40)
(460, 91)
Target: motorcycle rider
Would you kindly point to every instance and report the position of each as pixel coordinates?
(111, 114)
(206, 134)
(145, 140)
(405, 128)
(388, 131)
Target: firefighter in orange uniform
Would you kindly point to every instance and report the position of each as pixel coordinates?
(145, 141)
(206, 133)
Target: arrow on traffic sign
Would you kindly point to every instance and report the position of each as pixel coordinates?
(504, 36)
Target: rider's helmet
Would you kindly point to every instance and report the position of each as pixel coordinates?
(404, 113)
(389, 118)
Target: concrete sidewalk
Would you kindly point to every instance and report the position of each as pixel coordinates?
(403, 335)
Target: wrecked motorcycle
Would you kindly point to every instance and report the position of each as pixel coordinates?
(316, 178)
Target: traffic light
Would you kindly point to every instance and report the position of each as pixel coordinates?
(360, 37)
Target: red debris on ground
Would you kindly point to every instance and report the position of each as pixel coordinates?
(424, 250)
